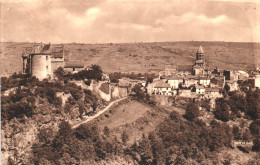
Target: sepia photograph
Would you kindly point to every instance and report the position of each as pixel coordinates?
(130, 82)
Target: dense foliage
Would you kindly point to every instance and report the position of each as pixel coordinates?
(25, 94)
(93, 72)
(139, 94)
(176, 140)
(237, 104)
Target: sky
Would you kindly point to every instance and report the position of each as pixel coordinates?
(121, 21)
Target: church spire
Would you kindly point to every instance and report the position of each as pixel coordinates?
(200, 50)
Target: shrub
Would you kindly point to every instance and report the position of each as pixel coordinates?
(124, 137)
(192, 111)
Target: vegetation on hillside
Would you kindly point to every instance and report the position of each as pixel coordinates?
(35, 106)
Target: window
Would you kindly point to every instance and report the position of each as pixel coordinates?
(47, 58)
(47, 67)
(73, 69)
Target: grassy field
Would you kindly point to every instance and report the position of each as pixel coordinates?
(142, 57)
(132, 117)
(124, 114)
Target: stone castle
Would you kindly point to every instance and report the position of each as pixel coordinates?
(42, 60)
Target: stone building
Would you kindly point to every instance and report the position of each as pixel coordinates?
(38, 62)
(57, 58)
(42, 60)
(199, 66)
(74, 66)
(257, 81)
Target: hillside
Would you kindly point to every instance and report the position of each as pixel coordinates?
(142, 57)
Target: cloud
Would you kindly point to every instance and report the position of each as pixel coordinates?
(126, 21)
(87, 19)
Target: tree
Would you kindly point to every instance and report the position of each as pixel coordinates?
(222, 110)
(46, 135)
(256, 146)
(158, 149)
(87, 131)
(149, 80)
(227, 87)
(237, 133)
(192, 111)
(139, 94)
(144, 150)
(124, 137)
(59, 73)
(106, 131)
(255, 127)
(253, 104)
(81, 109)
(247, 137)
(64, 136)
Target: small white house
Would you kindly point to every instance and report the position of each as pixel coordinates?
(174, 82)
(200, 89)
(190, 81)
(162, 88)
(204, 81)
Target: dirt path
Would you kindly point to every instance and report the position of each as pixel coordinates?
(98, 114)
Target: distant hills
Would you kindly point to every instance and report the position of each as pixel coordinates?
(143, 57)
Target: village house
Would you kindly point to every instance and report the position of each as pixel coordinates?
(212, 93)
(73, 66)
(200, 89)
(142, 83)
(217, 82)
(57, 57)
(190, 81)
(242, 75)
(174, 82)
(232, 84)
(218, 72)
(205, 81)
(162, 88)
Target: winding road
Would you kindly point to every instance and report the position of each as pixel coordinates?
(90, 118)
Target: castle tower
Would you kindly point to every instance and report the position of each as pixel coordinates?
(38, 62)
(41, 65)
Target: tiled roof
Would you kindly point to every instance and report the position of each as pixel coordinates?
(212, 90)
(162, 84)
(173, 77)
(199, 87)
(204, 78)
(41, 49)
(191, 77)
(57, 52)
